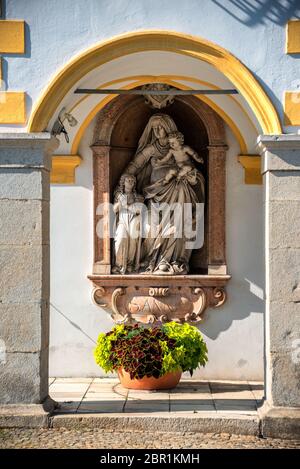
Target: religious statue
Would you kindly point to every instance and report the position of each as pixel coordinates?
(182, 155)
(163, 170)
(127, 242)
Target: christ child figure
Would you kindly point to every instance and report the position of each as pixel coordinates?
(183, 156)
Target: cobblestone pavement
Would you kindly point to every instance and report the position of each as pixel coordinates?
(93, 439)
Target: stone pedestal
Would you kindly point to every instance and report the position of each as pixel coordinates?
(25, 161)
(281, 175)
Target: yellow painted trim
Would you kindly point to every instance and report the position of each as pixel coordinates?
(63, 169)
(12, 107)
(292, 108)
(251, 164)
(139, 41)
(293, 37)
(212, 104)
(12, 37)
(162, 79)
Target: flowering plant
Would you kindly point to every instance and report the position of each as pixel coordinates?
(151, 351)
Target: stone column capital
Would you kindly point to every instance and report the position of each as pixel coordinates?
(279, 152)
(25, 140)
(27, 150)
(279, 142)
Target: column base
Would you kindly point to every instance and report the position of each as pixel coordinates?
(27, 415)
(280, 422)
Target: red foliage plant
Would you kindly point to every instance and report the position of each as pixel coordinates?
(138, 351)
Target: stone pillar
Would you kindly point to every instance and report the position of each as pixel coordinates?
(25, 161)
(101, 178)
(216, 210)
(281, 175)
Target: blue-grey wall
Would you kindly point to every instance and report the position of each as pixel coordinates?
(252, 30)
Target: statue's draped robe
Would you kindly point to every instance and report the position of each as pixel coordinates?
(166, 238)
(127, 235)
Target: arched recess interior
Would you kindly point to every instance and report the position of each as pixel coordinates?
(118, 127)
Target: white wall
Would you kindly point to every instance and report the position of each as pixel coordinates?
(234, 332)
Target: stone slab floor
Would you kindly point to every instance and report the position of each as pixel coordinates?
(103, 395)
(106, 396)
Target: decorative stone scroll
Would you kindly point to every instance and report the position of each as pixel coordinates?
(158, 300)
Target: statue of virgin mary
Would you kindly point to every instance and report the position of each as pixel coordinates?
(166, 248)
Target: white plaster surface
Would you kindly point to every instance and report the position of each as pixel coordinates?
(148, 65)
(234, 333)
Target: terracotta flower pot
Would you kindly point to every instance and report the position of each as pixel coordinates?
(167, 381)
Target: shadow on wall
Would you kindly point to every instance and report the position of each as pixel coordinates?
(253, 12)
(216, 321)
(275, 100)
(72, 323)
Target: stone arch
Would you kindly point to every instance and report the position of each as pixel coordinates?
(201, 49)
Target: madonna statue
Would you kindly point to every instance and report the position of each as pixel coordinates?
(170, 182)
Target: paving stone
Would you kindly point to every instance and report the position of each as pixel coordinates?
(102, 387)
(193, 407)
(62, 397)
(149, 406)
(110, 439)
(115, 406)
(106, 380)
(147, 395)
(257, 390)
(235, 405)
(190, 396)
(67, 407)
(73, 380)
(68, 388)
(103, 397)
(233, 394)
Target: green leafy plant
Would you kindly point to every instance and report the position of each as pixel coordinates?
(151, 351)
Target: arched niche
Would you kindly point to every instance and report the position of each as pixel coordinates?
(117, 131)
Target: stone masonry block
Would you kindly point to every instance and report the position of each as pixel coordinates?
(24, 222)
(24, 273)
(284, 273)
(24, 378)
(24, 183)
(285, 379)
(284, 224)
(24, 157)
(24, 327)
(283, 160)
(284, 327)
(284, 185)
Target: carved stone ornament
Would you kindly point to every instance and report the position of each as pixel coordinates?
(146, 304)
(158, 101)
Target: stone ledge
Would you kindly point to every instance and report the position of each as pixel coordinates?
(206, 423)
(26, 415)
(282, 141)
(280, 422)
(142, 298)
(23, 139)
